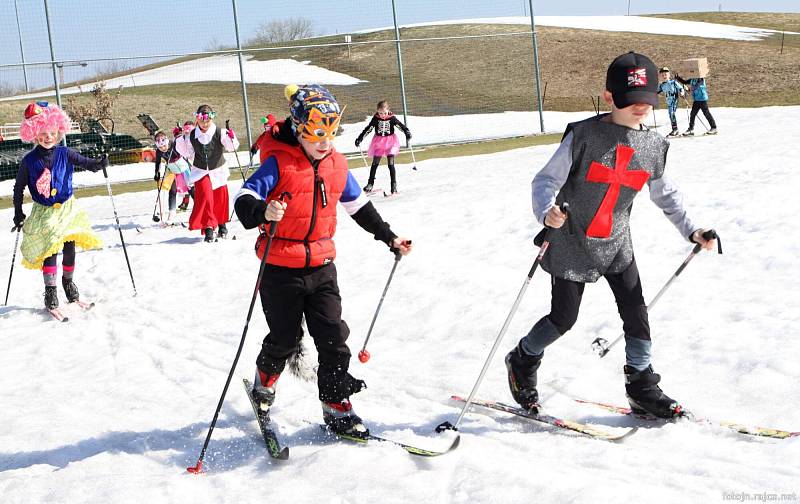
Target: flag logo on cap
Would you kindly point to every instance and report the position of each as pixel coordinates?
(637, 77)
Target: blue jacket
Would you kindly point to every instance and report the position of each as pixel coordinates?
(671, 90)
(699, 91)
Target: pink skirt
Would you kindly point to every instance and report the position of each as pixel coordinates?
(384, 146)
(180, 183)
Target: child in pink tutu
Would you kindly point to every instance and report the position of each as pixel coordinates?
(384, 143)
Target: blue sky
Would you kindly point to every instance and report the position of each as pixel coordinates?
(84, 29)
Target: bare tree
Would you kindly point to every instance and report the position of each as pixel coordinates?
(283, 30)
(101, 109)
(7, 89)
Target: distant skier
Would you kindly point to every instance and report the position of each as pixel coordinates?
(300, 276)
(672, 91)
(56, 222)
(205, 146)
(600, 166)
(176, 173)
(699, 102)
(269, 123)
(384, 142)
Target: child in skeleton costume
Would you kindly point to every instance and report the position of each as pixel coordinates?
(384, 142)
(176, 173)
(600, 166)
(205, 146)
(56, 221)
(300, 275)
(671, 90)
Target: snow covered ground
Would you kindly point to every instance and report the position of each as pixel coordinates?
(223, 67)
(114, 405)
(632, 24)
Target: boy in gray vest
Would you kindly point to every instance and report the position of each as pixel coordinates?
(600, 166)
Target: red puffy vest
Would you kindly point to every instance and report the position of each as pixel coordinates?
(304, 237)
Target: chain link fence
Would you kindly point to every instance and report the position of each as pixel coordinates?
(167, 60)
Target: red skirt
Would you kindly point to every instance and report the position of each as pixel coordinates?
(210, 206)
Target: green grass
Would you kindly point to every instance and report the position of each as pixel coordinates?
(434, 152)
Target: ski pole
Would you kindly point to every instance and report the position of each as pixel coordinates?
(363, 355)
(413, 157)
(13, 259)
(363, 158)
(198, 468)
(542, 250)
(602, 346)
(119, 228)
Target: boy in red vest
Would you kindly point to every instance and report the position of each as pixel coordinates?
(300, 277)
(599, 168)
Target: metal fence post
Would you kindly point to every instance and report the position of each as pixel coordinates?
(536, 67)
(400, 66)
(241, 74)
(21, 51)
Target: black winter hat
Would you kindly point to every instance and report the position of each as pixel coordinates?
(632, 78)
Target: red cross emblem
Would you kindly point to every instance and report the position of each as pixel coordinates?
(603, 220)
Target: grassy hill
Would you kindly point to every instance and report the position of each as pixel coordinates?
(480, 75)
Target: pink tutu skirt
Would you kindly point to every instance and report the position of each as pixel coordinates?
(180, 183)
(384, 146)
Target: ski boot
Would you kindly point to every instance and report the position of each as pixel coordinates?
(222, 231)
(70, 289)
(673, 133)
(712, 131)
(368, 187)
(394, 187)
(522, 378)
(209, 235)
(689, 132)
(264, 389)
(50, 297)
(646, 397)
(184, 204)
(342, 420)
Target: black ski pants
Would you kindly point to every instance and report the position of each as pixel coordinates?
(627, 289)
(698, 106)
(287, 294)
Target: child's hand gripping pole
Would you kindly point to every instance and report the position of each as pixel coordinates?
(364, 355)
(602, 346)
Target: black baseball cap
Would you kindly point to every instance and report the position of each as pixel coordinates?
(632, 78)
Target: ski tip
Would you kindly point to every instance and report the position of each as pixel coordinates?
(284, 454)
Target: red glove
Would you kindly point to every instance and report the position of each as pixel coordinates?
(176, 131)
(230, 133)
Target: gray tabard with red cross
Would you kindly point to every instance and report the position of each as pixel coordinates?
(610, 165)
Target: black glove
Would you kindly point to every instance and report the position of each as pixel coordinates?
(102, 162)
(358, 140)
(156, 177)
(253, 149)
(408, 135)
(19, 219)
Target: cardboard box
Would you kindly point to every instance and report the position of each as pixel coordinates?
(694, 68)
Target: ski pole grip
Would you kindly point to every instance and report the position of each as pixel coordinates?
(566, 209)
(273, 225)
(396, 251)
(711, 234)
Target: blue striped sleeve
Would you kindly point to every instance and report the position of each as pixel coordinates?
(353, 198)
(264, 180)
